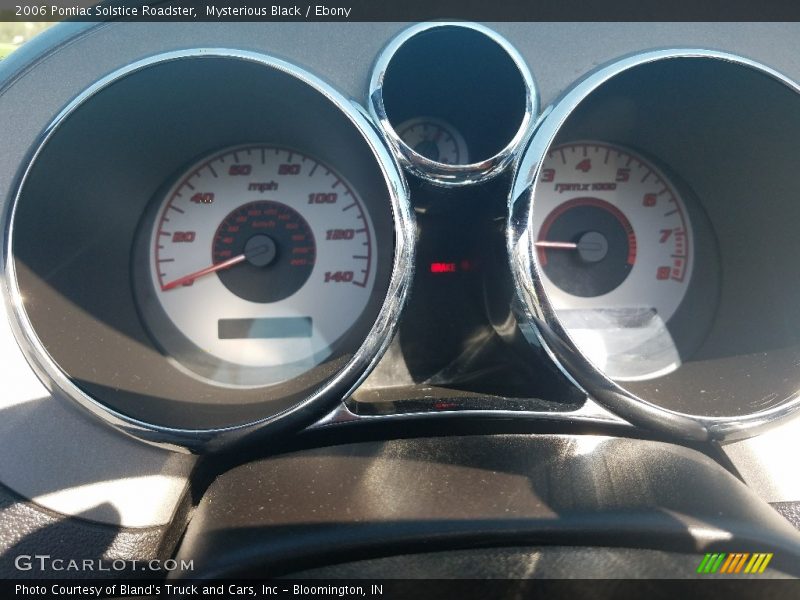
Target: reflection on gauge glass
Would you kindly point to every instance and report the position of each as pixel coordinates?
(614, 247)
(260, 259)
(434, 139)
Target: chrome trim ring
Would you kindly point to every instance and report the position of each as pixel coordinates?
(337, 388)
(435, 172)
(536, 317)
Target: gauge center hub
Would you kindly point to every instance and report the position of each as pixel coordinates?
(595, 247)
(592, 247)
(260, 250)
(276, 264)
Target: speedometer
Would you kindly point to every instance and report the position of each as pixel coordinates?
(614, 243)
(260, 259)
(240, 275)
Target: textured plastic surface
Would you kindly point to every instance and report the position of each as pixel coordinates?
(359, 501)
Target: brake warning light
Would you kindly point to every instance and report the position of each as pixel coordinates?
(443, 267)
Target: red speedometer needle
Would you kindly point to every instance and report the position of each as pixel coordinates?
(557, 245)
(186, 279)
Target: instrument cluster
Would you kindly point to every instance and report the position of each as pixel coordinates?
(246, 262)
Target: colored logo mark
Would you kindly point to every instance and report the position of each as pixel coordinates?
(734, 563)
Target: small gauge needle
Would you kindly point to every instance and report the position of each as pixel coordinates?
(556, 245)
(186, 279)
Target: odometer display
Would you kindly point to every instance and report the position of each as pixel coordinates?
(245, 247)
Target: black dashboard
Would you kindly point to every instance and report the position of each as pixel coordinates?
(383, 299)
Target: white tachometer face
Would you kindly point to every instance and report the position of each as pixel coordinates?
(260, 259)
(613, 244)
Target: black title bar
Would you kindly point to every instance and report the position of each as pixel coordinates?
(404, 10)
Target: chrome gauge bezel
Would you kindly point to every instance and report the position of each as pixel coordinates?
(538, 321)
(439, 173)
(333, 389)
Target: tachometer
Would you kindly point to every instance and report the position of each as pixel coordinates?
(260, 259)
(614, 243)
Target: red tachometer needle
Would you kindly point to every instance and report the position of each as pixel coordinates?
(556, 245)
(212, 269)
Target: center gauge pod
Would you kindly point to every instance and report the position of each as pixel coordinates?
(454, 100)
(652, 239)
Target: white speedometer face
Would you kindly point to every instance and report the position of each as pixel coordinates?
(260, 259)
(614, 248)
